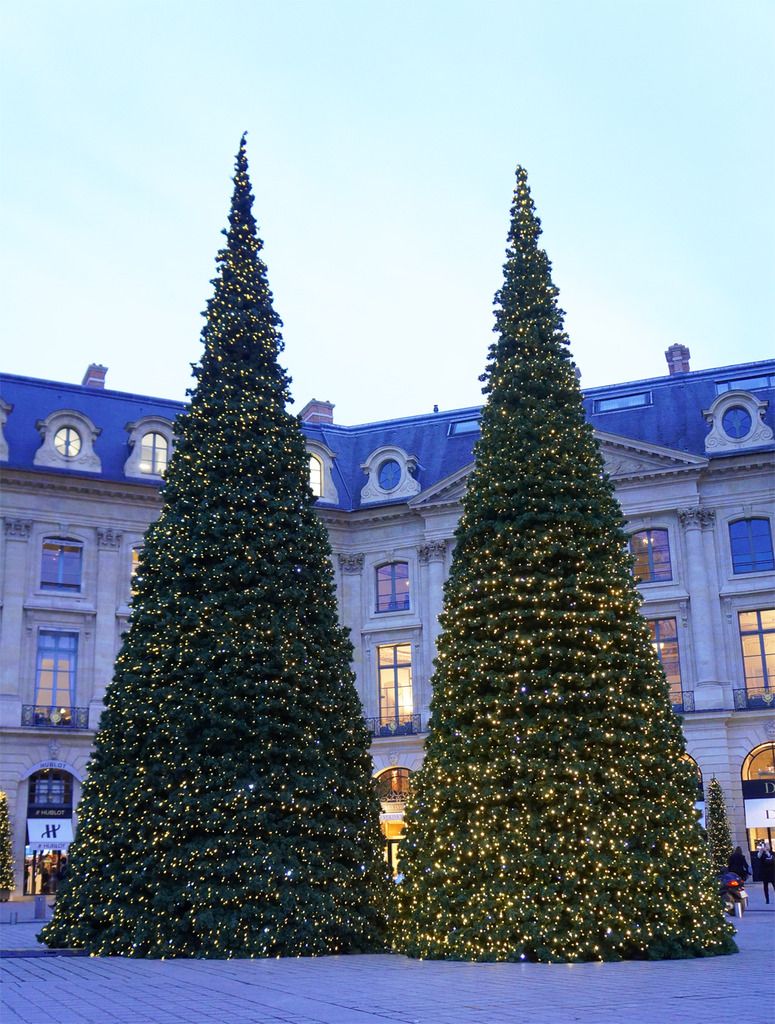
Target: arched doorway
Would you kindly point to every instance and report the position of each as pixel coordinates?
(49, 829)
(392, 787)
(758, 782)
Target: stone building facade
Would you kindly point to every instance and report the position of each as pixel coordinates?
(691, 455)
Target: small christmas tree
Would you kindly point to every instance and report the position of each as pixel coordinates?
(719, 835)
(229, 808)
(553, 818)
(6, 849)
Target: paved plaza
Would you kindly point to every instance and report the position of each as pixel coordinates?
(48, 989)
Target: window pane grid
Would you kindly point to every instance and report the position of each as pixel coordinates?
(393, 587)
(154, 450)
(750, 541)
(664, 636)
(651, 551)
(56, 665)
(60, 567)
(396, 702)
(757, 641)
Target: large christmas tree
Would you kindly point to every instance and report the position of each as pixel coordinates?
(6, 852)
(553, 818)
(229, 808)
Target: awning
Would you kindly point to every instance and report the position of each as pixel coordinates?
(49, 833)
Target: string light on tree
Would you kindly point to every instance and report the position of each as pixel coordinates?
(553, 817)
(719, 835)
(229, 808)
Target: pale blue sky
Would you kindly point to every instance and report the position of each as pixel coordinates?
(382, 141)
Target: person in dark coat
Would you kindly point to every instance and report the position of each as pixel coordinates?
(766, 868)
(739, 864)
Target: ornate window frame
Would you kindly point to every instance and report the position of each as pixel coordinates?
(137, 431)
(86, 461)
(325, 457)
(718, 440)
(5, 411)
(406, 487)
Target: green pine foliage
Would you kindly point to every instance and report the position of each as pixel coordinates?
(719, 836)
(229, 809)
(6, 849)
(553, 818)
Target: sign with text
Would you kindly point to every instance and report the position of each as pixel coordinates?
(49, 833)
(760, 813)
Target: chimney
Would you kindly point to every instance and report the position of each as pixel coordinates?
(94, 376)
(677, 357)
(315, 412)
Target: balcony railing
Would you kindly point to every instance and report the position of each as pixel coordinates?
(35, 716)
(401, 725)
(747, 700)
(683, 701)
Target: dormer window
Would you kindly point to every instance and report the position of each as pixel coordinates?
(321, 471)
(316, 476)
(390, 471)
(150, 443)
(736, 421)
(67, 442)
(154, 453)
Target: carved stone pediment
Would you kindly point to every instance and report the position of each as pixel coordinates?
(627, 459)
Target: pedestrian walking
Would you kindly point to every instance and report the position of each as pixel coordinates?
(739, 864)
(766, 868)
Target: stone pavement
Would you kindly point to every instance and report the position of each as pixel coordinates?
(385, 989)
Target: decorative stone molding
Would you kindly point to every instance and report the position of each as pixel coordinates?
(769, 728)
(405, 485)
(683, 611)
(723, 438)
(5, 411)
(433, 551)
(351, 564)
(109, 538)
(18, 529)
(53, 750)
(137, 431)
(696, 518)
(85, 460)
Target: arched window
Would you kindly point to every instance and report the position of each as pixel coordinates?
(760, 764)
(60, 565)
(316, 476)
(750, 541)
(154, 453)
(393, 587)
(392, 785)
(651, 551)
(51, 787)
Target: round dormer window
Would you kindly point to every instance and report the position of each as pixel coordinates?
(67, 442)
(736, 422)
(389, 475)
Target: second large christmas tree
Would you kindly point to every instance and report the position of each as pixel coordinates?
(553, 818)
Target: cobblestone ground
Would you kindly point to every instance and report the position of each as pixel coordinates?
(47, 989)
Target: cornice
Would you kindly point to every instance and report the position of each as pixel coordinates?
(132, 493)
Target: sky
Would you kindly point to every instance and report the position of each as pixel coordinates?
(382, 140)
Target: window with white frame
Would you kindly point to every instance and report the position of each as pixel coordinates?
(154, 453)
(750, 541)
(757, 639)
(651, 551)
(316, 476)
(61, 564)
(664, 637)
(56, 670)
(393, 587)
(396, 699)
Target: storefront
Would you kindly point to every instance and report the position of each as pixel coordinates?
(393, 790)
(49, 829)
(758, 782)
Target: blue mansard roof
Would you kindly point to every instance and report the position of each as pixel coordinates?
(664, 411)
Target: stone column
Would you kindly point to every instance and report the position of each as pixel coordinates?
(351, 615)
(17, 535)
(106, 601)
(431, 556)
(709, 691)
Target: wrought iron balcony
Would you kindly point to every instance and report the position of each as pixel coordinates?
(754, 699)
(399, 725)
(36, 716)
(683, 701)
